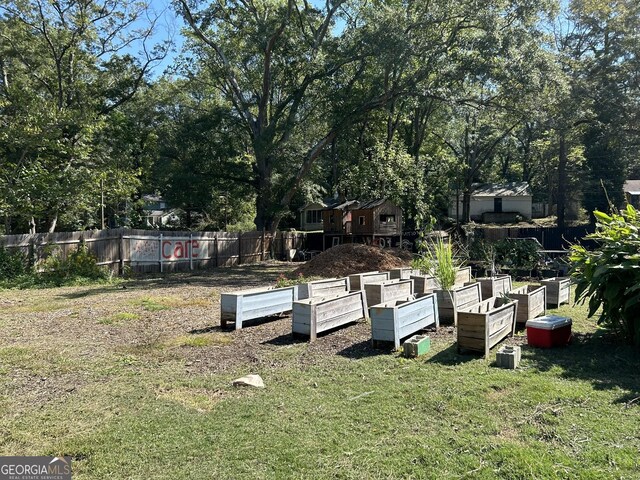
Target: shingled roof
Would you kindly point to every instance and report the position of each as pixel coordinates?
(512, 189)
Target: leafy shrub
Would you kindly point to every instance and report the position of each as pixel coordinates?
(609, 276)
(79, 265)
(13, 264)
(521, 254)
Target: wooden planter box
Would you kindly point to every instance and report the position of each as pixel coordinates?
(359, 280)
(402, 273)
(558, 290)
(484, 325)
(393, 321)
(424, 283)
(246, 305)
(494, 286)
(531, 302)
(323, 288)
(463, 276)
(382, 292)
(318, 314)
(450, 301)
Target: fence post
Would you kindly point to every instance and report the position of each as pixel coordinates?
(262, 246)
(239, 248)
(215, 250)
(121, 253)
(160, 252)
(191, 251)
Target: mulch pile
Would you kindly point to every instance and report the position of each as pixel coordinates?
(343, 260)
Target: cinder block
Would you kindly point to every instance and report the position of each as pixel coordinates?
(508, 357)
(417, 345)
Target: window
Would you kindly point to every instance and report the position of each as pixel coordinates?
(384, 218)
(314, 216)
(361, 220)
(332, 219)
(497, 205)
(335, 241)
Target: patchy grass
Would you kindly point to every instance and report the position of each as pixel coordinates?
(119, 318)
(156, 304)
(147, 406)
(202, 340)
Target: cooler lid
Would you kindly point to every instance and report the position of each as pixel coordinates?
(549, 322)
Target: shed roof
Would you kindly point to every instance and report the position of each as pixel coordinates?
(372, 203)
(632, 187)
(512, 189)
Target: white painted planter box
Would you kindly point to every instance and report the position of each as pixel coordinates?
(238, 307)
(357, 281)
(402, 273)
(486, 324)
(318, 314)
(494, 286)
(424, 283)
(531, 302)
(463, 276)
(382, 292)
(322, 288)
(393, 321)
(451, 301)
(558, 290)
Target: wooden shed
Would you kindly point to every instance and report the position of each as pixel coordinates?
(377, 218)
(336, 218)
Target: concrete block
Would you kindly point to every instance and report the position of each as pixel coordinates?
(508, 357)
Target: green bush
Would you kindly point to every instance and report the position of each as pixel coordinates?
(77, 266)
(609, 276)
(13, 264)
(520, 254)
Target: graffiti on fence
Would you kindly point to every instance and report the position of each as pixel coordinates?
(171, 249)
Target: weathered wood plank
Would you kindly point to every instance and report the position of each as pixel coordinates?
(357, 281)
(531, 301)
(484, 325)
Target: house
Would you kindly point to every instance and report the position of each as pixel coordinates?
(632, 192)
(496, 203)
(318, 215)
(377, 222)
(156, 212)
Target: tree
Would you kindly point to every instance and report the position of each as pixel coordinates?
(65, 70)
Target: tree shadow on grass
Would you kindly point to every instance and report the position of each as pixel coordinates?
(598, 358)
(450, 356)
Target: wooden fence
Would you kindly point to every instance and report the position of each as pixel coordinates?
(160, 251)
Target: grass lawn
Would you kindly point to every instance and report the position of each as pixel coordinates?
(136, 383)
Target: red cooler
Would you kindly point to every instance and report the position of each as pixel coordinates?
(549, 331)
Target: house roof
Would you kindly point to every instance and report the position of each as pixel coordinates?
(512, 189)
(372, 203)
(331, 204)
(632, 187)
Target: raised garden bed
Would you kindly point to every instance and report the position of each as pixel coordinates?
(558, 290)
(531, 301)
(494, 286)
(486, 324)
(393, 321)
(319, 314)
(424, 283)
(382, 292)
(402, 273)
(359, 280)
(320, 288)
(238, 307)
(463, 276)
(450, 301)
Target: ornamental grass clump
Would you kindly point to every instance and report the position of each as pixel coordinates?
(609, 275)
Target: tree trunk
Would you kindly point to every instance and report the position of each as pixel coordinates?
(52, 223)
(264, 197)
(562, 180)
(32, 226)
(466, 204)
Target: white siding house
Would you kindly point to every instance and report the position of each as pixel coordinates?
(500, 199)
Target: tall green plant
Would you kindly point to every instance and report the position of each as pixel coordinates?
(443, 265)
(609, 276)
